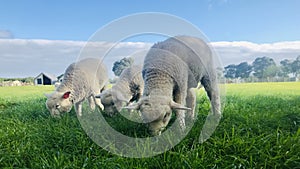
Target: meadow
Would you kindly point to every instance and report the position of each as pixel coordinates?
(259, 129)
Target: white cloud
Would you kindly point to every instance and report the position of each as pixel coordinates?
(29, 57)
(236, 52)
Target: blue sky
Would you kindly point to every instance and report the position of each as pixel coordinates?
(48, 35)
(259, 21)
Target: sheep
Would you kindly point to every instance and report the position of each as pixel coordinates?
(172, 70)
(128, 88)
(82, 80)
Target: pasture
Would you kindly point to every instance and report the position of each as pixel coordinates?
(259, 129)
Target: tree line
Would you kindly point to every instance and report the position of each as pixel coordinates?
(260, 70)
(23, 80)
(264, 69)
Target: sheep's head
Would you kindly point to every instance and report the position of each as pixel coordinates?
(156, 111)
(112, 101)
(59, 102)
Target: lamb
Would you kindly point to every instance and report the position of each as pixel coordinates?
(171, 71)
(82, 80)
(128, 89)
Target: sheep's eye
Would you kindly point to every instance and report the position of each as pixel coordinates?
(165, 117)
(57, 106)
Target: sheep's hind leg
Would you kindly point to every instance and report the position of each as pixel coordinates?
(212, 91)
(213, 118)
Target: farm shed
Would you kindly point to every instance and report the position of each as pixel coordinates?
(60, 78)
(45, 79)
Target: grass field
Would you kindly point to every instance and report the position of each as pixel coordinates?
(259, 129)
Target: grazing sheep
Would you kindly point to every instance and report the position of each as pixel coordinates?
(171, 71)
(82, 80)
(128, 88)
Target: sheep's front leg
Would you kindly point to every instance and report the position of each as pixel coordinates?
(97, 101)
(91, 101)
(78, 108)
(191, 102)
(180, 114)
(181, 118)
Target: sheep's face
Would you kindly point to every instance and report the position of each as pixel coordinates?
(118, 100)
(107, 101)
(58, 103)
(156, 111)
(111, 101)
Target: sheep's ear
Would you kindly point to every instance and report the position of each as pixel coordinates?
(47, 95)
(133, 106)
(175, 105)
(137, 105)
(99, 96)
(105, 93)
(66, 95)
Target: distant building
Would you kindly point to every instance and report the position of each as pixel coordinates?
(45, 79)
(60, 78)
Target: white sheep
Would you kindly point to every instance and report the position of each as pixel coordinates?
(82, 80)
(128, 88)
(172, 69)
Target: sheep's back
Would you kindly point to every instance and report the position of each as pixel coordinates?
(181, 57)
(84, 75)
(94, 70)
(133, 75)
(130, 81)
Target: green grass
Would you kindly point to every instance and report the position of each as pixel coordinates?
(264, 89)
(259, 129)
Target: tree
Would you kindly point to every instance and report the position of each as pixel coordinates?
(243, 70)
(119, 66)
(260, 65)
(271, 71)
(27, 80)
(286, 67)
(230, 71)
(295, 66)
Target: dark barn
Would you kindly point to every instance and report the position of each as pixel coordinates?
(45, 79)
